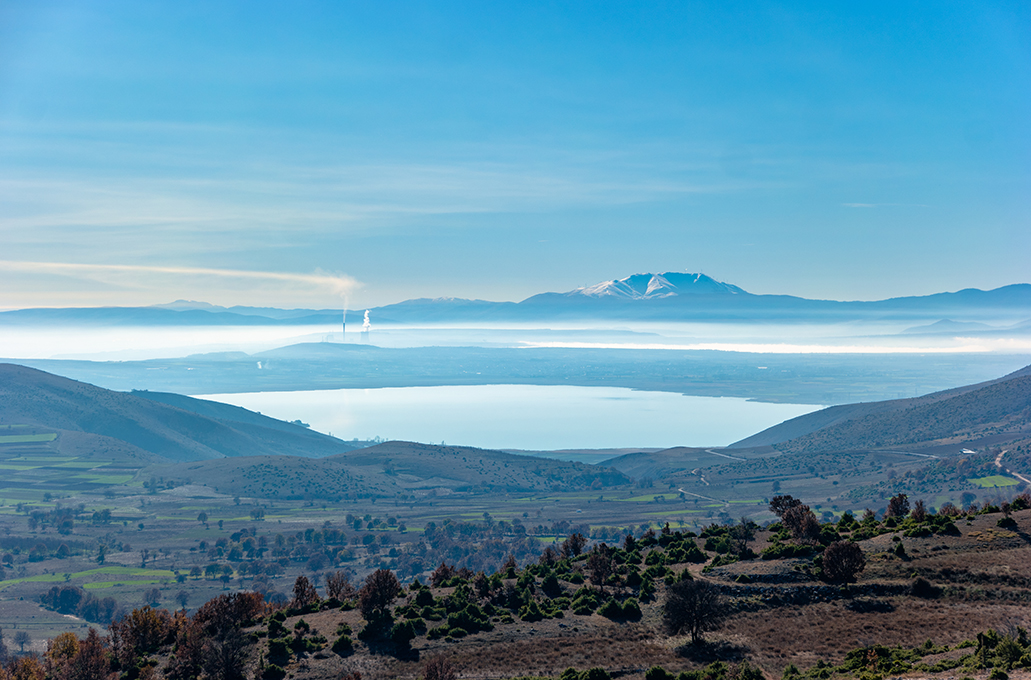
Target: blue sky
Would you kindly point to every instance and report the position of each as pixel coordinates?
(497, 150)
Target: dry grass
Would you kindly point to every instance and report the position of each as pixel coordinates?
(980, 568)
(828, 630)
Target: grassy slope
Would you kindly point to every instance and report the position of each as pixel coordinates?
(854, 426)
(389, 469)
(28, 396)
(998, 407)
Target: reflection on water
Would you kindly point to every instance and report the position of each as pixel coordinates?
(523, 416)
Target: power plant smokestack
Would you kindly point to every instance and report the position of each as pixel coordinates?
(343, 327)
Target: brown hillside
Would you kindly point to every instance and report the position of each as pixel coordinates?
(927, 590)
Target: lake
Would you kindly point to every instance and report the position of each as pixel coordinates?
(532, 417)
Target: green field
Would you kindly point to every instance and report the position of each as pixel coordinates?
(26, 438)
(151, 576)
(648, 498)
(105, 479)
(994, 480)
(99, 585)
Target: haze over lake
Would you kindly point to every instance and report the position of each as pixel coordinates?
(139, 343)
(523, 416)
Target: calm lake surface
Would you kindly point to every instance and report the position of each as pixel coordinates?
(522, 416)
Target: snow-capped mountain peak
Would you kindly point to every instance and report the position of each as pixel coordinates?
(653, 286)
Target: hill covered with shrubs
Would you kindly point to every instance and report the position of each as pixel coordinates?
(910, 591)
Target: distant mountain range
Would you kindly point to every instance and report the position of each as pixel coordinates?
(670, 296)
(655, 286)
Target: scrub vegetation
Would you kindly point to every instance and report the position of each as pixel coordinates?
(866, 597)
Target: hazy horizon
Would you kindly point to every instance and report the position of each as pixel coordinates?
(184, 303)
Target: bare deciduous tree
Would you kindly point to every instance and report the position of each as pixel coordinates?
(339, 587)
(304, 593)
(843, 561)
(442, 574)
(225, 655)
(898, 506)
(152, 597)
(22, 638)
(376, 594)
(439, 668)
(802, 523)
(574, 545)
(599, 565)
(549, 556)
(90, 661)
(781, 504)
(182, 597)
(693, 607)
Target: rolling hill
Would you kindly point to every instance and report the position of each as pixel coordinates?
(238, 452)
(183, 430)
(390, 469)
(990, 408)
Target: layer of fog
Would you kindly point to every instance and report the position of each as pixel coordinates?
(134, 343)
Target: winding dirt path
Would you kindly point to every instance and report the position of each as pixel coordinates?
(998, 464)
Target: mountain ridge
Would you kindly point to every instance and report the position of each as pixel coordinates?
(655, 286)
(643, 296)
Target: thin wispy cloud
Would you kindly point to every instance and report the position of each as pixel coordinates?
(149, 283)
(315, 198)
(885, 205)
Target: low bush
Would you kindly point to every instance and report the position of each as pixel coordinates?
(531, 612)
(720, 561)
(273, 672)
(780, 551)
(403, 633)
(611, 610)
(279, 648)
(923, 588)
(343, 645)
